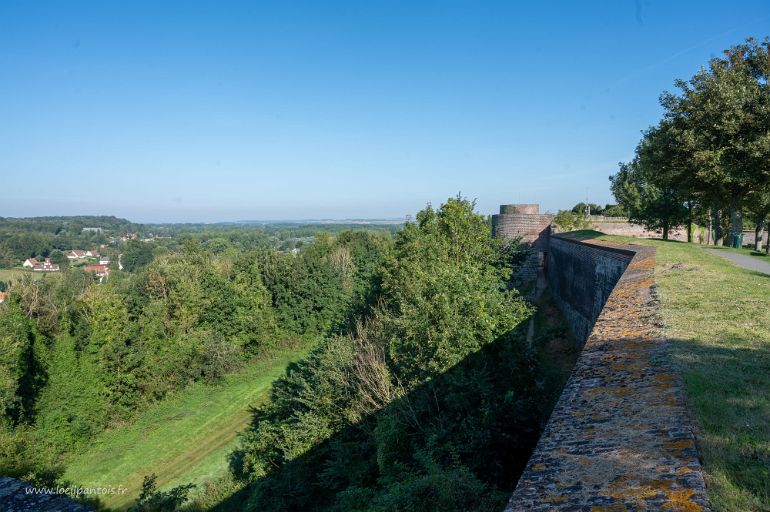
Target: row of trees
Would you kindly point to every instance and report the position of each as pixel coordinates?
(707, 161)
(608, 210)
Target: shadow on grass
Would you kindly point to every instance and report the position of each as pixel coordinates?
(728, 390)
(479, 421)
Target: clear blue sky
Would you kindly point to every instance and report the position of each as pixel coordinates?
(209, 111)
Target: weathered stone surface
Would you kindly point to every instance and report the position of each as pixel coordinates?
(620, 437)
(15, 498)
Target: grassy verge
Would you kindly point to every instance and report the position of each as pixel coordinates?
(717, 317)
(183, 439)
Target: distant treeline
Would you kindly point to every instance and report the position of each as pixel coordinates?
(40, 237)
(22, 238)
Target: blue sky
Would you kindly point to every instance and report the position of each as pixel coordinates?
(211, 111)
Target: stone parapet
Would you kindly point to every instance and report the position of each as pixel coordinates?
(14, 497)
(620, 436)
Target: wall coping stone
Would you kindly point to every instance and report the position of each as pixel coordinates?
(14, 498)
(620, 436)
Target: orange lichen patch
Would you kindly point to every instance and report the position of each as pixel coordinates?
(642, 491)
(538, 467)
(679, 500)
(558, 498)
(679, 445)
(609, 508)
(683, 470)
(593, 392)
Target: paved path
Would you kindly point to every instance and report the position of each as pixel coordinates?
(742, 260)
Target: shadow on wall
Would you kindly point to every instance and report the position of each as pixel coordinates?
(458, 442)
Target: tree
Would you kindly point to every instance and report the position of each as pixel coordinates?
(722, 115)
(588, 209)
(153, 500)
(567, 220)
(758, 209)
(614, 210)
(136, 255)
(648, 186)
(369, 422)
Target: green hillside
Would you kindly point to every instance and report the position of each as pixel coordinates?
(186, 438)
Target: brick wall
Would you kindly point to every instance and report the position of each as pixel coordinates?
(530, 228)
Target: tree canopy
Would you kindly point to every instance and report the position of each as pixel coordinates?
(711, 150)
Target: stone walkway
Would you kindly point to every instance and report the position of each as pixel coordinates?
(742, 260)
(619, 438)
(14, 497)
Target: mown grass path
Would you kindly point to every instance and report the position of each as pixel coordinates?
(186, 438)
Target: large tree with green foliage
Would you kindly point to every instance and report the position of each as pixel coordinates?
(647, 187)
(405, 414)
(723, 117)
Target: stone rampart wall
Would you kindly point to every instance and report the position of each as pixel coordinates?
(581, 278)
(620, 436)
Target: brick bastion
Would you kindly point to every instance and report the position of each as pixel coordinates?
(619, 437)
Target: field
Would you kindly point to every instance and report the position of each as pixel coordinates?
(184, 439)
(717, 317)
(13, 274)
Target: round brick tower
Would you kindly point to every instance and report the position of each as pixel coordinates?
(532, 228)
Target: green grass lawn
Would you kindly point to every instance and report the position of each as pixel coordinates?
(186, 438)
(717, 317)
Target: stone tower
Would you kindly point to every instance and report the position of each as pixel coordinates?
(532, 228)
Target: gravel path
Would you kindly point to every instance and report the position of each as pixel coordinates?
(749, 262)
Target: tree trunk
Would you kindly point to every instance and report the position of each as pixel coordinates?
(718, 234)
(736, 222)
(665, 232)
(759, 231)
(689, 222)
(711, 222)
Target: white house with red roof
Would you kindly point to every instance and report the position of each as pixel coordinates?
(46, 266)
(29, 262)
(99, 270)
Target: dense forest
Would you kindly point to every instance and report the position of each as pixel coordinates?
(419, 393)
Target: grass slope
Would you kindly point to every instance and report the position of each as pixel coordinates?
(185, 438)
(717, 316)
